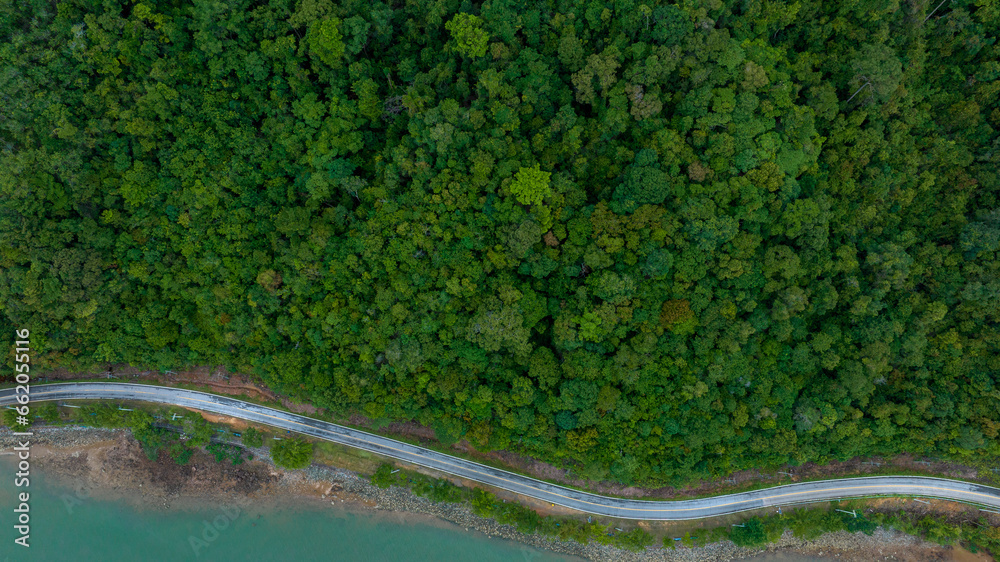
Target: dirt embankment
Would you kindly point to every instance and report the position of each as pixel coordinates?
(117, 468)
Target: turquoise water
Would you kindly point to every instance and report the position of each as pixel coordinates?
(66, 527)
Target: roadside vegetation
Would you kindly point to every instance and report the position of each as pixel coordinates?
(807, 523)
(252, 438)
(526, 520)
(223, 451)
(175, 432)
(297, 452)
(292, 453)
(810, 523)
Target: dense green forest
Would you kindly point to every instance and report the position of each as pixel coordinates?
(656, 241)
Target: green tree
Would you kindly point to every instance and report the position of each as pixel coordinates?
(383, 477)
(179, 452)
(670, 25)
(10, 417)
(49, 412)
(497, 326)
(325, 41)
(531, 185)
(878, 66)
(751, 534)
(470, 38)
(292, 453)
(252, 438)
(982, 235)
(644, 182)
(138, 420)
(200, 431)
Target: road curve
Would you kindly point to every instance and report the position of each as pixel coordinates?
(804, 492)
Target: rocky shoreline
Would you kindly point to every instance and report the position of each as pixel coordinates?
(111, 454)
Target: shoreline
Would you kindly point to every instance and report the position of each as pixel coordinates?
(106, 460)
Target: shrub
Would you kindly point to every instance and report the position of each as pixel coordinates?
(752, 533)
(49, 412)
(292, 453)
(252, 438)
(383, 477)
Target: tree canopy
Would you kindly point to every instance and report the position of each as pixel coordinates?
(647, 241)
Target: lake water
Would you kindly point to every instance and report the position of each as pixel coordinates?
(65, 527)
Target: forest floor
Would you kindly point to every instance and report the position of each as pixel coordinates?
(218, 380)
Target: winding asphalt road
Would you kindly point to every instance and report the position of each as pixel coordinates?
(804, 492)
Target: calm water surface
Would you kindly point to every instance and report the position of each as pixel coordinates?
(64, 527)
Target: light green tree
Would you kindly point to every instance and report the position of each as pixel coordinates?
(325, 41)
(467, 32)
(531, 185)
